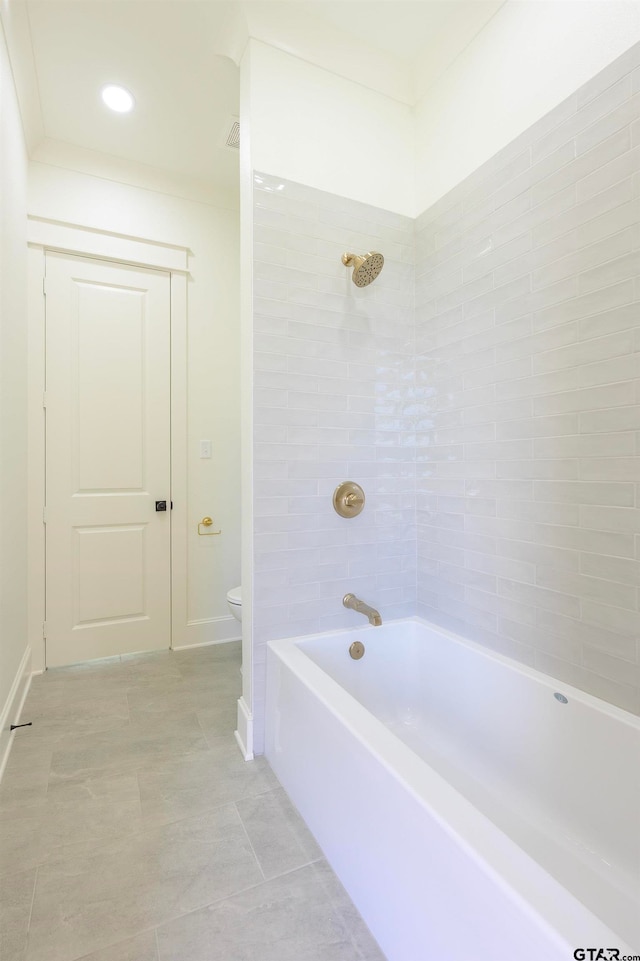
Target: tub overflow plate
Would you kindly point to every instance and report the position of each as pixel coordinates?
(356, 650)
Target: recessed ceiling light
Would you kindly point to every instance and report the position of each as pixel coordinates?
(117, 98)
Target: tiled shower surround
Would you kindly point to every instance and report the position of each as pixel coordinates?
(485, 391)
(334, 398)
(527, 336)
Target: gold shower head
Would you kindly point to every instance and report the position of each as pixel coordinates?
(365, 269)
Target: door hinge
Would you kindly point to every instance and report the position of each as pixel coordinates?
(44, 630)
(44, 515)
(44, 286)
(44, 399)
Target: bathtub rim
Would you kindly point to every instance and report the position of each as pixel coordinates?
(554, 684)
(565, 919)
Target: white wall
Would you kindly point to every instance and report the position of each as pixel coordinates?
(313, 127)
(292, 28)
(530, 57)
(212, 235)
(13, 406)
(244, 730)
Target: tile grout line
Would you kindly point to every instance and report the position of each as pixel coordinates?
(205, 811)
(335, 904)
(139, 795)
(33, 899)
(114, 944)
(236, 894)
(304, 864)
(201, 907)
(262, 793)
(253, 850)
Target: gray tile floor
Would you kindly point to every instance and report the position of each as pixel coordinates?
(132, 830)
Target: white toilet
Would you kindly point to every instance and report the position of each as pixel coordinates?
(234, 600)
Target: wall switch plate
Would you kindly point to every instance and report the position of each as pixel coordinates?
(205, 448)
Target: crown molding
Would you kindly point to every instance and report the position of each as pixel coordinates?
(14, 17)
(55, 153)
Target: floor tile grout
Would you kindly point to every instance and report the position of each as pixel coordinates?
(201, 767)
(33, 898)
(139, 795)
(58, 851)
(113, 944)
(244, 828)
(228, 897)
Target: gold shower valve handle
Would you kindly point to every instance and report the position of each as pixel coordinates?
(207, 522)
(348, 499)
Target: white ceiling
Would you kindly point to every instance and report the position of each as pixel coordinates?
(404, 28)
(161, 51)
(174, 55)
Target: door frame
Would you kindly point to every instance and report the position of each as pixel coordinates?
(48, 235)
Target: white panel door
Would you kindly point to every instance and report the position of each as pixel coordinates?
(107, 459)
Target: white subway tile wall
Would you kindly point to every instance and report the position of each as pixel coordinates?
(485, 391)
(528, 363)
(334, 400)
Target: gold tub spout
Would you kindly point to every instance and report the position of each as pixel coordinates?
(355, 604)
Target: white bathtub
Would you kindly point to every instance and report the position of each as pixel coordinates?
(470, 814)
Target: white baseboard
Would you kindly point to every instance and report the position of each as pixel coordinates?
(210, 630)
(13, 707)
(244, 732)
(190, 647)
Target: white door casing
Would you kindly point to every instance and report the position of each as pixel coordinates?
(108, 441)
